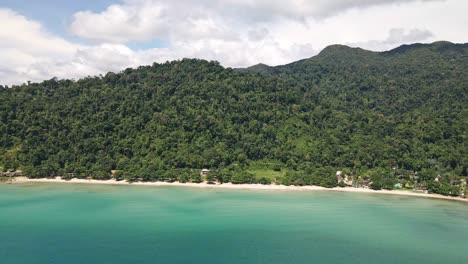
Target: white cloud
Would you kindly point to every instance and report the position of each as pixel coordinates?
(120, 23)
(29, 52)
(267, 10)
(25, 42)
(146, 20)
(395, 37)
(258, 34)
(158, 19)
(235, 32)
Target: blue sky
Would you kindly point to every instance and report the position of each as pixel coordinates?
(41, 39)
(56, 16)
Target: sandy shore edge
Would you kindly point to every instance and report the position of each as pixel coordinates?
(239, 186)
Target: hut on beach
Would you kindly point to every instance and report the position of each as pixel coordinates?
(204, 172)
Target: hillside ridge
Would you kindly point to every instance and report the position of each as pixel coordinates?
(388, 118)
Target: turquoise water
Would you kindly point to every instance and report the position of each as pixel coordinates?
(72, 223)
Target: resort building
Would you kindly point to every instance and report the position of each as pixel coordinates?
(204, 172)
(339, 178)
(347, 179)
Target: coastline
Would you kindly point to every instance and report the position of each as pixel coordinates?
(19, 180)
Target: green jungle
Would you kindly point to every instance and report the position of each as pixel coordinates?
(394, 119)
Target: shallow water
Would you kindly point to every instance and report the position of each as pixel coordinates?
(77, 223)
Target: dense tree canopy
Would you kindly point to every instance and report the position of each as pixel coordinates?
(344, 108)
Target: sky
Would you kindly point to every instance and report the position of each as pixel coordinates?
(43, 39)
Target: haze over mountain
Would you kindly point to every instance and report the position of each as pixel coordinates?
(346, 108)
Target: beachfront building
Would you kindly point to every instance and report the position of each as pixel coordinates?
(347, 179)
(204, 172)
(339, 177)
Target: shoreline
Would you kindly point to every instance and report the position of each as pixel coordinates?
(19, 180)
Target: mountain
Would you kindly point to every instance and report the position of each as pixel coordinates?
(345, 109)
(260, 68)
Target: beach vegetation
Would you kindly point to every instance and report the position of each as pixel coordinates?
(383, 117)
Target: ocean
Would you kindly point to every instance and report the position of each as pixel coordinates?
(83, 223)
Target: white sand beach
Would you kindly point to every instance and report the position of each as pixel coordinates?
(19, 180)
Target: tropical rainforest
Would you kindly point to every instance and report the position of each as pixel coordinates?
(385, 115)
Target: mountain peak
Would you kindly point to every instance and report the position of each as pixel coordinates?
(342, 50)
(334, 48)
(438, 46)
(260, 67)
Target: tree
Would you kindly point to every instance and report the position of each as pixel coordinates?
(119, 175)
(264, 181)
(242, 177)
(195, 177)
(211, 176)
(357, 111)
(376, 185)
(183, 177)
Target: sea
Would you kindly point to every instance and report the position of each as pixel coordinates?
(47, 223)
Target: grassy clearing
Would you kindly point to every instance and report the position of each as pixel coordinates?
(268, 170)
(270, 174)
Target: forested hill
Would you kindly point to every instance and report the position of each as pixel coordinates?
(344, 109)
